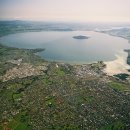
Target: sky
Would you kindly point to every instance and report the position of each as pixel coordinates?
(66, 10)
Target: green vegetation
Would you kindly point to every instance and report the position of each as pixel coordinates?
(17, 96)
(10, 53)
(17, 26)
(118, 86)
(122, 76)
(114, 126)
(5, 66)
(128, 58)
(50, 101)
(20, 122)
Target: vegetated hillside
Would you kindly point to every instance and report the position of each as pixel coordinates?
(59, 96)
(16, 26)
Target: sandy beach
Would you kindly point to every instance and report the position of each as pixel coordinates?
(118, 66)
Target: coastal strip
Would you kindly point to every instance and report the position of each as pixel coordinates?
(119, 65)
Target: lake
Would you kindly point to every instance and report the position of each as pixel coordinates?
(61, 46)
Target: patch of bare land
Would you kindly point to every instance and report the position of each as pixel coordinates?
(24, 70)
(117, 66)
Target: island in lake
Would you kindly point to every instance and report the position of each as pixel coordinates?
(80, 37)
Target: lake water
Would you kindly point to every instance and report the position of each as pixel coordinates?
(61, 46)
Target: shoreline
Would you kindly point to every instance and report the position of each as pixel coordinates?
(121, 64)
(118, 66)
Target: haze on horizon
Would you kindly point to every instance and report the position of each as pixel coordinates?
(66, 10)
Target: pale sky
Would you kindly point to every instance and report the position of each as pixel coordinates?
(66, 10)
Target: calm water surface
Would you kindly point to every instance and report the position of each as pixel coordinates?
(61, 46)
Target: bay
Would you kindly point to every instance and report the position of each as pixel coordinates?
(61, 46)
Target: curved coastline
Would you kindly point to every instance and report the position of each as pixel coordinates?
(115, 63)
(113, 67)
(124, 36)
